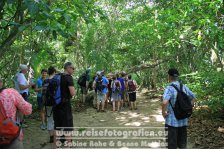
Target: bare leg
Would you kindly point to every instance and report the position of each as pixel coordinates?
(113, 106)
(132, 105)
(98, 104)
(135, 106)
(118, 105)
(84, 98)
(103, 103)
(42, 115)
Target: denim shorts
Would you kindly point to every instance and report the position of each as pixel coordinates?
(101, 96)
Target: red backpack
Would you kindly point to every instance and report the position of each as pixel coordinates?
(9, 130)
(131, 86)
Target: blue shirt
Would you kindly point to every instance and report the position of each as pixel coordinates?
(122, 83)
(171, 94)
(39, 84)
(105, 83)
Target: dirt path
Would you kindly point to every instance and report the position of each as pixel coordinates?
(147, 115)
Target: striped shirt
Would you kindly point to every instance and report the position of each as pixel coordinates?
(171, 94)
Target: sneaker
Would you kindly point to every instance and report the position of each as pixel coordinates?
(97, 110)
(103, 111)
(42, 126)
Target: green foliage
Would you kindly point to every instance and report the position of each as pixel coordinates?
(209, 87)
(115, 36)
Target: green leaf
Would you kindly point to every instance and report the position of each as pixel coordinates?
(22, 28)
(58, 10)
(39, 28)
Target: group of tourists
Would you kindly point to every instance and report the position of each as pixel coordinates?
(111, 88)
(55, 91)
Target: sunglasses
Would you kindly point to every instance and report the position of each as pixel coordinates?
(72, 68)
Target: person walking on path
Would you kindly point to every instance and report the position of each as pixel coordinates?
(48, 107)
(100, 84)
(131, 86)
(84, 84)
(116, 93)
(177, 128)
(62, 113)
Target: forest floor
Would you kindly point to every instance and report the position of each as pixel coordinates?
(147, 116)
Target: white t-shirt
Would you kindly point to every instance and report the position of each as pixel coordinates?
(21, 79)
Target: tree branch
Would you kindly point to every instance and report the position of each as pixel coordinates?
(151, 65)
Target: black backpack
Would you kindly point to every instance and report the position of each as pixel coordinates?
(82, 80)
(183, 106)
(99, 83)
(47, 95)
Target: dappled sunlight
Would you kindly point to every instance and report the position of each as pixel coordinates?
(159, 118)
(133, 124)
(158, 111)
(133, 115)
(145, 118)
(136, 118)
(155, 100)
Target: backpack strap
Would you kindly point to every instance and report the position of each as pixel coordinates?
(175, 87)
(178, 90)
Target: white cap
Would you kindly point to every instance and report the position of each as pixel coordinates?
(23, 67)
(98, 73)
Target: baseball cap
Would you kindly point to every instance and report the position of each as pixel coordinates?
(23, 67)
(173, 72)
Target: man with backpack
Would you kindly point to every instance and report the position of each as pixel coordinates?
(62, 111)
(10, 103)
(100, 84)
(131, 86)
(177, 105)
(48, 104)
(83, 82)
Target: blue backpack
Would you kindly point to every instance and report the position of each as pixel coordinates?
(53, 91)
